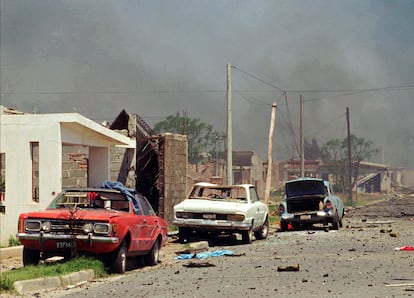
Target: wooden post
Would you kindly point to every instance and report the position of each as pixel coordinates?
(229, 130)
(269, 153)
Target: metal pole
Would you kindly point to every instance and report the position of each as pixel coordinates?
(349, 157)
(229, 130)
(302, 140)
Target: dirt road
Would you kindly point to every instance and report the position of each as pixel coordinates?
(359, 260)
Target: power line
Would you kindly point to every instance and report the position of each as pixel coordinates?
(290, 125)
(257, 78)
(253, 100)
(399, 87)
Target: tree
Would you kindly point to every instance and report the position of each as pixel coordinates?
(335, 157)
(311, 149)
(200, 135)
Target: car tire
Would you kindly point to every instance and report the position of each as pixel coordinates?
(263, 232)
(183, 234)
(153, 257)
(118, 264)
(283, 226)
(335, 222)
(247, 236)
(30, 256)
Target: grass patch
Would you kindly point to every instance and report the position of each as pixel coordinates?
(7, 278)
(274, 214)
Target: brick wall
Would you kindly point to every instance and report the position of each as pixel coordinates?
(74, 166)
(175, 172)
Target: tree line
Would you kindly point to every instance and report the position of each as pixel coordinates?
(334, 153)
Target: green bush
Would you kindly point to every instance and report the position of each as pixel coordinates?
(13, 241)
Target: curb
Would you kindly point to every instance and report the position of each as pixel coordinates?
(72, 279)
(11, 252)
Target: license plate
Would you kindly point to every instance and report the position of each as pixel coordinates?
(305, 217)
(209, 216)
(63, 244)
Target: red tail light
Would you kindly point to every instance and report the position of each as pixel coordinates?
(328, 205)
(281, 209)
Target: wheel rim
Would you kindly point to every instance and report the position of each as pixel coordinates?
(265, 230)
(123, 261)
(156, 255)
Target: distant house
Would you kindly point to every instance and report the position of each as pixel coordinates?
(249, 168)
(40, 154)
(292, 169)
(373, 177)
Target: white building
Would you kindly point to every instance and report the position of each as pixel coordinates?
(31, 153)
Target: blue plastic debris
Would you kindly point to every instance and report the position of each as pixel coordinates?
(204, 255)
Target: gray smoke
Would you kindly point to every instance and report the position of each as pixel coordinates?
(156, 58)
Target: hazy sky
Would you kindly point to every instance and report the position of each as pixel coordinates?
(157, 58)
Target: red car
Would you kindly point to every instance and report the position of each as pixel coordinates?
(111, 222)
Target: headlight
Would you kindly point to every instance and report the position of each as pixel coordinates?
(183, 215)
(32, 225)
(88, 228)
(235, 217)
(102, 228)
(46, 226)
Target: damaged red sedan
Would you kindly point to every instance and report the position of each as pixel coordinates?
(112, 222)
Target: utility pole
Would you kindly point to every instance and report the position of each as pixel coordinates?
(217, 155)
(269, 154)
(229, 130)
(302, 140)
(349, 157)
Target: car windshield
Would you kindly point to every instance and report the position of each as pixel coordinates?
(90, 199)
(306, 187)
(221, 193)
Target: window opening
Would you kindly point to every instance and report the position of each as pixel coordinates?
(34, 154)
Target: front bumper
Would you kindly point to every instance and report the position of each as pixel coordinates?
(212, 225)
(89, 238)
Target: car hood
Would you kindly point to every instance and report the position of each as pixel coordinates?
(81, 214)
(195, 205)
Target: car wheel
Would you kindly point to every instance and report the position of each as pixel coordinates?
(119, 259)
(335, 222)
(183, 235)
(283, 226)
(153, 257)
(263, 232)
(247, 236)
(30, 256)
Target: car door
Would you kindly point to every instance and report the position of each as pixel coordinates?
(258, 208)
(137, 227)
(150, 224)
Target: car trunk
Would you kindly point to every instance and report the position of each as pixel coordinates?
(304, 204)
(304, 196)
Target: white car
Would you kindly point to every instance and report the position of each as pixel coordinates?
(213, 209)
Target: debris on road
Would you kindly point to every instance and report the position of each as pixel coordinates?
(198, 264)
(288, 268)
(204, 255)
(406, 248)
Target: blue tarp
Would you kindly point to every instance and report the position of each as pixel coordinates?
(204, 255)
(119, 186)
